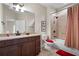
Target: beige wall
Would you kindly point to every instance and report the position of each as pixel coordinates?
(40, 14)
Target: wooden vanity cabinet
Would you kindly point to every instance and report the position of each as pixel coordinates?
(29, 46)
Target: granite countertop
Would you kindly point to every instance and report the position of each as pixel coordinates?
(16, 37)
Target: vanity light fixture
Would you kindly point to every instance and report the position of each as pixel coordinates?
(19, 7)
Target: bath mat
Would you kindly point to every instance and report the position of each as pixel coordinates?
(64, 53)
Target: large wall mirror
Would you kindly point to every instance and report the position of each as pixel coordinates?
(13, 21)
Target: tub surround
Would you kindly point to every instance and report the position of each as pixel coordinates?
(23, 45)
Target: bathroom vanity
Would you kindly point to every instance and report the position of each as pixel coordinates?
(23, 45)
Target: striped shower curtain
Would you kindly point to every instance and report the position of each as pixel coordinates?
(72, 33)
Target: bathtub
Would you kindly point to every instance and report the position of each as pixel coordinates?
(61, 44)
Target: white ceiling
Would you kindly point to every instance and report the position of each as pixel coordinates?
(55, 5)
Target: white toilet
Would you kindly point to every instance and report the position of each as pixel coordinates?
(46, 44)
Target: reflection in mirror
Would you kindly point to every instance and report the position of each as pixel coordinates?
(12, 21)
(25, 22)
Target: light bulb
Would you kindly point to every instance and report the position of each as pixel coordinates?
(17, 8)
(22, 10)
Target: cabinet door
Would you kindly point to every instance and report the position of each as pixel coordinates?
(37, 45)
(32, 48)
(2, 52)
(24, 49)
(13, 50)
(28, 48)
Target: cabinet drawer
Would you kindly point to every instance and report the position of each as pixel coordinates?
(11, 42)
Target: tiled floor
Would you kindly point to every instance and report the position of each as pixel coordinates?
(45, 52)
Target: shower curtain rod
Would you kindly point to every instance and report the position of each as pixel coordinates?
(63, 8)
